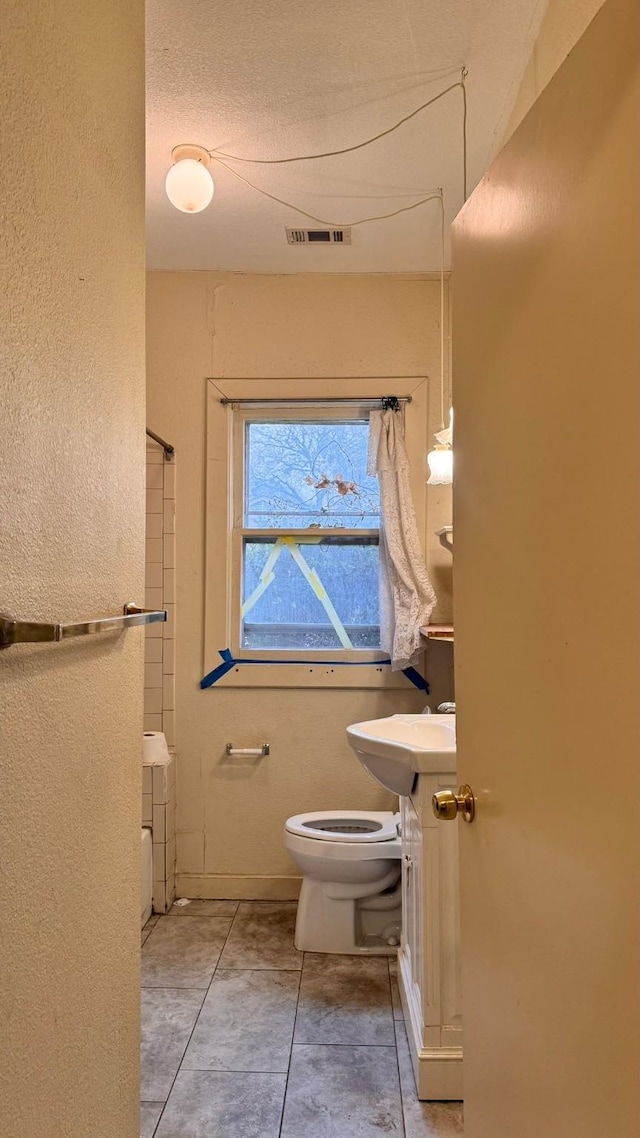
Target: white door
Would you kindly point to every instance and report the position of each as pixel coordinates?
(546, 305)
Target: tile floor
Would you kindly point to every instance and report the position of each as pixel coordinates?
(244, 1037)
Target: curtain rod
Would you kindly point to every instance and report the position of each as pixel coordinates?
(167, 448)
(312, 399)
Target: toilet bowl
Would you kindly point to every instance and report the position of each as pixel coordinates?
(350, 900)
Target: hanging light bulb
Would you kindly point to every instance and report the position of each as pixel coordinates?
(189, 184)
(440, 459)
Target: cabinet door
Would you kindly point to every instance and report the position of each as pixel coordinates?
(407, 935)
(412, 936)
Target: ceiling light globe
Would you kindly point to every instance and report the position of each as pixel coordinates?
(189, 185)
(440, 461)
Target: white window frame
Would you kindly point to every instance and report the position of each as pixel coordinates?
(303, 413)
(225, 530)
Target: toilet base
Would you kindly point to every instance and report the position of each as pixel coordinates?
(369, 926)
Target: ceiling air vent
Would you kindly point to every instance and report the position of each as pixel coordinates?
(319, 236)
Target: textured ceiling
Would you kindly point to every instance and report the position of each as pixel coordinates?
(272, 78)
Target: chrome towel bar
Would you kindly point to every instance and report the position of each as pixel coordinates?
(30, 631)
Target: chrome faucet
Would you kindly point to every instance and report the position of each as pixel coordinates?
(446, 709)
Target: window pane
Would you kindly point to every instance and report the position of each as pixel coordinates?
(289, 614)
(300, 474)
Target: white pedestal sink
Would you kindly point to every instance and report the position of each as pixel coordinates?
(415, 756)
(397, 749)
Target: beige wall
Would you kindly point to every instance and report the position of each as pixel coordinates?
(563, 23)
(205, 324)
(71, 546)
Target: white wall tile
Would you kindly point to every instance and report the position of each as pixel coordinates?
(169, 586)
(169, 551)
(159, 861)
(170, 889)
(155, 476)
(169, 516)
(147, 780)
(154, 652)
(168, 628)
(153, 551)
(170, 821)
(154, 525)
(159, 785)
(147, 809)
(169, 657)
(153, 598)
(153, 675)
(168, 726)
(153, 703)
(169, 480)
(171, 779)
(153, 576)
(160, 593)
(159, 897)
(168, 692)
(154, 502)
(170, 856)
(158, 824)
(171, 810)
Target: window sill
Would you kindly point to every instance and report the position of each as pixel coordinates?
(345, 676)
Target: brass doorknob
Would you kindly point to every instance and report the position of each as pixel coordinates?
(447, 805)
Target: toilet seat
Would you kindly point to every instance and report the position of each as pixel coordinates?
(346, 827)
(329, 852)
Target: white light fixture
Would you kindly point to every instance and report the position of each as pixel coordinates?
(440, 459)
(189, 184)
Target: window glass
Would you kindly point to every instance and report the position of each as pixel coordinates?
(309, 473)
(310, 596)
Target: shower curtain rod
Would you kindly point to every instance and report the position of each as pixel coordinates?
(167, 448)
(226, 402)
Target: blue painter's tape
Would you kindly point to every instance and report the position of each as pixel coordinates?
(417, 680)
(228, 663)
(212, 677)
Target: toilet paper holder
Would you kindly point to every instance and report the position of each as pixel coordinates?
(247, 752)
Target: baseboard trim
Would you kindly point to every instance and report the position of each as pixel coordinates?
(218, 886)
(437, 1070)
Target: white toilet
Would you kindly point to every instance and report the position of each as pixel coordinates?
(350, 901)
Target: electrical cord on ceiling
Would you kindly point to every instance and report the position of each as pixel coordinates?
(320, 220)
(463, 76)
(347, 149)
(218, 155)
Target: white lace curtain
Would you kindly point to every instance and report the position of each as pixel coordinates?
(407, 598)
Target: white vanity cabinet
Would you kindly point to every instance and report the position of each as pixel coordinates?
(429, 956)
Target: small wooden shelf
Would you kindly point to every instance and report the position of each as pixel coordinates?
(438, 632)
